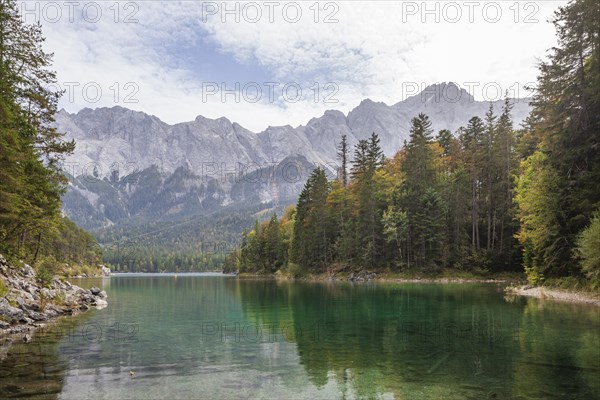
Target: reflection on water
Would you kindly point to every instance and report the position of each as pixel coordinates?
(212, 336)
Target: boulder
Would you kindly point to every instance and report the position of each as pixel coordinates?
(28, 271)
(100, 304)
(21, 302)
(37, 316)
(95, 291)
(8, 311)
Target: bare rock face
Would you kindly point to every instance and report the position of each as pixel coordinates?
(27, 304)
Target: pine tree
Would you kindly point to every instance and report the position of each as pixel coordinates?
(419, 167)
(312, 242)
(566, 116)
(30, 148)
(343, 157)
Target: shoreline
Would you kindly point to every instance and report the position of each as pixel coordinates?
(515, 284)
(26, 305)
(364, 276)
(554, 294)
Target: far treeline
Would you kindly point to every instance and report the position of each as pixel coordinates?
(32, 227)
(489, 198)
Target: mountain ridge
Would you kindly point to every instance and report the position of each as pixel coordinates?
(123, 155)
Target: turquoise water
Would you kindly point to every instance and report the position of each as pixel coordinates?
(210, 336)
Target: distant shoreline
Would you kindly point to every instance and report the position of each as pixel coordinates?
(514, 284)
(158, 274)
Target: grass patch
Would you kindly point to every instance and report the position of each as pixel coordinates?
(3, 289)
(77, 270)
(59, 299)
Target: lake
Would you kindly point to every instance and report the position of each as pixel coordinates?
(212, 336)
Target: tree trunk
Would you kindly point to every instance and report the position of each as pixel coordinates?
(37, 246)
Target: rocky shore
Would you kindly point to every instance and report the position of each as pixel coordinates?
(555, 294)
(26, 306)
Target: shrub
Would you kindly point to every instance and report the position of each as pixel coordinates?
(43, 302)
(3, 289)
(534, 276)
(295, 271)
(59, 299)
(46, 269)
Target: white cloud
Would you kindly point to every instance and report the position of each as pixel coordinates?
(375, 50)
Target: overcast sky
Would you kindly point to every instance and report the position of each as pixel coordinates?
(285, 62)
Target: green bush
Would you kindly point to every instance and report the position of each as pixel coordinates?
(534, 276)
(59, 299)
(46, 268)
(588, 249)
(295, 271)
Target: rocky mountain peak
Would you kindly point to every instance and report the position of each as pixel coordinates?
(213, 150)
(447, 93)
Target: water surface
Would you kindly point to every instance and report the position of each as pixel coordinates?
(211, 336)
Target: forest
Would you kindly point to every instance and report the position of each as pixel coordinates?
(32, 227)
(192, 244)
(488, 198)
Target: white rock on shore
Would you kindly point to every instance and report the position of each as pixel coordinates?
(105, 270)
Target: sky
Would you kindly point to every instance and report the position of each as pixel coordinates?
(274, 63)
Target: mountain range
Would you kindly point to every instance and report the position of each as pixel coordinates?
(130, 168)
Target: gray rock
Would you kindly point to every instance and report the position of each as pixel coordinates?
(28, 270)
(51, 313)
(57, 284)
(31, 289)
(103, 295)
(27, 338)
(21, 303)
(100, 304)
(37, 316)
(9, 311)
(95, 291)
